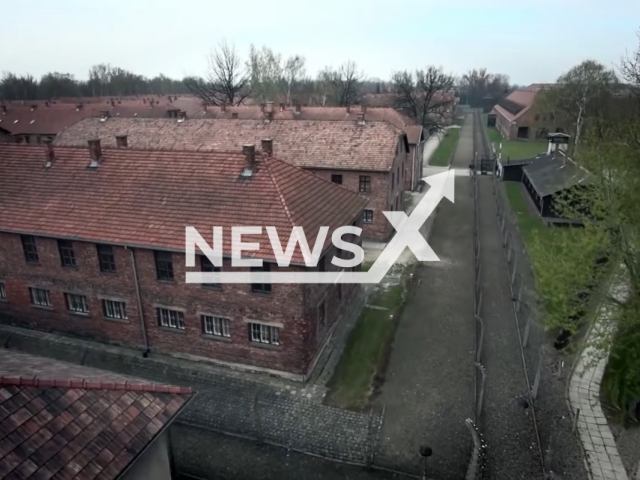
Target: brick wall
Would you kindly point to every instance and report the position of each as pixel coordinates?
(292, 308)
(386, 192)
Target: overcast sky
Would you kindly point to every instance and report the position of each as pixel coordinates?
(529, 40)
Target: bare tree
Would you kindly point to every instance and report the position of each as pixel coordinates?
(227, 82)
(630, 69)
(343, 84)
(425, 95)
(293, 71)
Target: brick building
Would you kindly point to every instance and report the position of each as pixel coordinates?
(92, 244)
(518, 117)
(281, 111)
(365, 157)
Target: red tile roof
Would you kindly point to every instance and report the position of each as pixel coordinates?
(77, 430)
(147, 197)
(519, 102)
(24, 120)
(317, 144)
(282, 112)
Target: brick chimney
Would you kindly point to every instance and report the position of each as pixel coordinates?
(182, 116)
(268, 117)
(361, 119)
(104, 114)
(46, 104)
(223, 107)
(113, 104)
(348, 108)
(96, 152)
(363, 108)
(48, 143)
(267, 147)
(234, 115)
(262, 107)
(270, 107)
(298, 108)
(249, 152)
(121, 141)
(282, 107)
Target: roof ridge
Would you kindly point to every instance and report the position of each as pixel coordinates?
(84, 384)
(279, 191)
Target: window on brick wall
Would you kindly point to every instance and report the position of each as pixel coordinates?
(164, 265)
(217, 326)
(261, 287)
(40, 296)
(106, 258)
(76, 303)
(114, 309)
(335, 178)
(367, 216)
(67, 256)
(3, 291)
(259, 333)
(207, 266)
(29, 248)
(171, 318)
(365, 184)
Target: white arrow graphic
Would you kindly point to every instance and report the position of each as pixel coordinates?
(407, 235)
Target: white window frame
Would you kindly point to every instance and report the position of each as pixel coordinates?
(216, 325)
(114, 309)
(171, 318)
(364, 219)
(40, 297)
(76, 303)
(265, 334)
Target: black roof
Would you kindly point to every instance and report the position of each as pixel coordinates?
(550, 174)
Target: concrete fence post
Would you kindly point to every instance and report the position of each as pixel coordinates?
(513, 273)
(536, 382)
(483, 378)
(575, 421)
(526, 332)
(519, 296)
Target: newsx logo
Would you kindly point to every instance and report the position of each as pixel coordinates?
(407, 235)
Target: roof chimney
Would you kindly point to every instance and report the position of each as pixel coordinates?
(104, 114)
(361, 119)
(113, 104)
(49, 150)
(121, 141)
(267, 147)
(234, 115)
(269, 106)
(298, 108)
(363, 108)
(268, 117)
(46, 104)
(182, 116)
(348, 108)
(96, 152)
(262, 106)
(223, 107)
(282, 107)
(249, 152)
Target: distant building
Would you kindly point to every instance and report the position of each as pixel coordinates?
(365, 157)
(517, 119)
(92, 243)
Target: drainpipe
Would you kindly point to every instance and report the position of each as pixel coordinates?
(143, 326)
(413, 166)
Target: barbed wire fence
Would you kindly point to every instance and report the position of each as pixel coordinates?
(476, 469)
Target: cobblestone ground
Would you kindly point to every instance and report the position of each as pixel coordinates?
(428, 391)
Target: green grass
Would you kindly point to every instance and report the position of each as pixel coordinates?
(354, 379)
(513, 149)
(530, 225)
(442, 156)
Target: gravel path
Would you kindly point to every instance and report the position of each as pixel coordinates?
(428, 392)
(512, 446)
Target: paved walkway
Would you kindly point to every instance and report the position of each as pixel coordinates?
(428, 390)
(603, 459)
